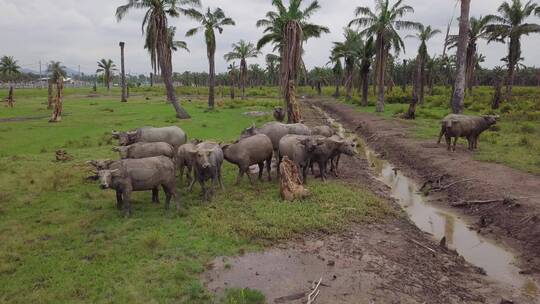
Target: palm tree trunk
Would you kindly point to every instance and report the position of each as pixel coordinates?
(381, 67)
(211, 80)
(166, 72)
(470, 67)
(365, 87)
(417, 89)
(50, 96)
(337, 82)
(243, 76)
(123, 71)
(422, 79)
(349, 81)
(459, 87)
(57, 113)
(10, 97)
(292, 54)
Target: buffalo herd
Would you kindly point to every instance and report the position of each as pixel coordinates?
(151, 157)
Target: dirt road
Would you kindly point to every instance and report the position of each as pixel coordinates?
(386, 262)
(514, 222)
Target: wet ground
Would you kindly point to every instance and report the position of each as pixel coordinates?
(398, 261)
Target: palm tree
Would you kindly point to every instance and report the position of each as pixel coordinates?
(107, 67)
(176, 44)
(57, 74)
(241, 51)
(9, 69)
(461, 56)
(272, 68)
(157, 42)
(508, 27)
(337, 70)
(477, 30)
(318, 76)
(424, 34)
(348, 50)
(233, 69)
(210, 21)
(287, 28)
(365, 58)
(384, 23)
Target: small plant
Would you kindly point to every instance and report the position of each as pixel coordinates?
(243, 296)
(524, 142)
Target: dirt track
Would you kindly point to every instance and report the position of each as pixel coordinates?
(516, 223)
(387, 262)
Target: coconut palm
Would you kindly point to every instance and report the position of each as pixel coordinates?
(287, 28)
(272, 68)
(156, 30)
(210, 21)
(384, 23)
(56, 71)
(319, 78)
(424, 34)
(364, 61)
(337, 70)
(458, 95)
(9, 67)
(241, 51)
(508, 27)
(107, 67)
(176, 44)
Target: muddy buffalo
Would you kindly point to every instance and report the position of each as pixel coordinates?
(348, 147)
(279, 114)
(207, 160)
(184, 159)
(325, 131)
(254, 150)
(144, 174)
(299, 149)
(466, 126)
(173, 135)
(145, 149)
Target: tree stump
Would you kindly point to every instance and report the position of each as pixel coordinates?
(57, 113)
(9, 99)
(291, 187)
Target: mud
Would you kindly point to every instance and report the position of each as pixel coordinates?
(515, 223)
(387, 262)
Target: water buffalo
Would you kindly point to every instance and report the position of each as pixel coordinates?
(207, 160)
(275, 131)
(279, 114)
(467, 126)
(325, 131)
(140, 175)
(184, 159)
(249, 151)
(145, 149)
(173, 135)
(349, 147)
(299, 149)
(326, 148)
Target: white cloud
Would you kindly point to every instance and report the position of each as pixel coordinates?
(79, 32)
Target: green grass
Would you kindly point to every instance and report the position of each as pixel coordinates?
(62, 240)
(243, 296)
(513, 142)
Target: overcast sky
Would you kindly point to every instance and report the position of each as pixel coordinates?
(79, 32)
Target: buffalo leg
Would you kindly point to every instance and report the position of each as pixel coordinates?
(167, 196)
(455, 143)
(322, 169)
(204, 190)
(213, 186)
(192, 183)
(155, 195)
(304, 174)
(269, 168)
(220, 179)
(261, 170)
(441, 135)
(127, 204)
(278, 161)
(246, 170)
(338, 158)
(448, 142)
(118, 200)
(181, 169)
(240, 175)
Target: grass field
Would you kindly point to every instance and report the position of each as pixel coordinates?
(63, 241)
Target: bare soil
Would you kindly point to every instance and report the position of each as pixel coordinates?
(514, 221)
(390, 261)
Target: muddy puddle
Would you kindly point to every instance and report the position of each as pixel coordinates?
(497, 261)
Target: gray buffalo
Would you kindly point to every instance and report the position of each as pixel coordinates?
(348, 147)
(299, 149)
(249, 151)
(207, 160)
(140, 175)
(325, 131)
(173, 135)
(279, 114)
(145, 149)
(466, 126)
(184, 159)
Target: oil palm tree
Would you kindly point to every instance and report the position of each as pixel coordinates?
(424, 34)
(348, 50)
(458, 95)
(383, 23)
(337, 70)
(319, 78)
(272, 68)
(232, 71)
(287, 28)
(9, 69)
(210, 21)
(241, 51)
(107, 67)
(508, 27)
(156, 30)
(57, 74)
(364, 61)
(176, 44)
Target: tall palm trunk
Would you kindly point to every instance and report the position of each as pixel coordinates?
(471, 51)
(50, 96)
(422, 78)
(364, 79)
(381, 68)
(459, 86)
(243, 76)
(211, 50)
(123, 71)
(417, 89)
(292, 54)
(337, 82)
(349, 68)
(404, 80)
(57, 113)
(10, 97)
(513, 57)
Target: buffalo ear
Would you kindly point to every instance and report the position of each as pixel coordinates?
(116, 173)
